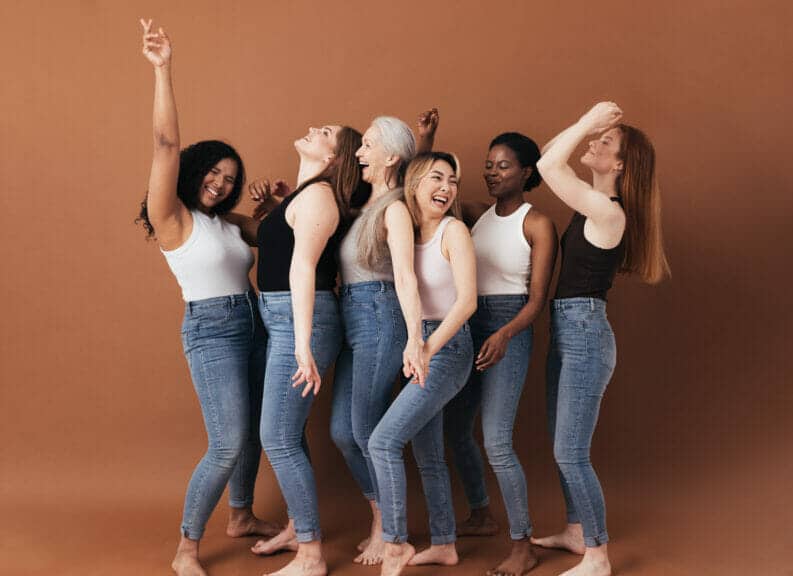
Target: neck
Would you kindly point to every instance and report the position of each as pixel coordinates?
(605, 183)
(379, 189)
(309, 169)
(506, 205)
(427, 228)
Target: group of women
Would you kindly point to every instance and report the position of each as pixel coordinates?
(451, 310)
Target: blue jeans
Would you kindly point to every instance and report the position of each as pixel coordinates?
(417, 415)
(224, 343)
(581, 359)
(284, 411)
(368, 365)
(497, 390)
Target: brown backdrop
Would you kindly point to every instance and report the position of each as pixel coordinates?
(99, 424)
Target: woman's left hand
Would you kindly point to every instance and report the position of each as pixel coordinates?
(492, 351)
(427, 123)
(413, 361)
(307, 373)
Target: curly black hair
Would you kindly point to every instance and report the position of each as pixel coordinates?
(526, 150)
(195, 162)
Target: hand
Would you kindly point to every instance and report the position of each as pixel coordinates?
(601, 117)
(413, 361)
(492, 351)
(267, 196)
(156, 45)
(306, 373)
(427, 123)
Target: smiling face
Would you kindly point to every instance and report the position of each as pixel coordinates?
(437, 190)
(373, 158)
(319, 144)
(218, 183)
(602, 156)
(503, 173)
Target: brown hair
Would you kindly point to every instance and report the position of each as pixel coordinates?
(416, 170)
(344, 175)
(638, 188)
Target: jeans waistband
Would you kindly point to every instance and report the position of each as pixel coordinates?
(432, 325)
(230, 300)
(484, 300)
(372, 286)
(581, 303)
(286, 296)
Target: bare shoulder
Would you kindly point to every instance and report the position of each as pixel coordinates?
(316, 192)
(456, 231)
(536, 220)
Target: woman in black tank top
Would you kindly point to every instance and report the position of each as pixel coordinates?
(616, 227)
(297, 241)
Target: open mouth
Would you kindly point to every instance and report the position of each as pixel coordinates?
(440, 200)
(213, 193)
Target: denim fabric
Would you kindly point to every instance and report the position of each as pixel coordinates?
(497, 390)
(417, 415)
(284, 411)
(224, 343)
(581, 359)
(375, 336)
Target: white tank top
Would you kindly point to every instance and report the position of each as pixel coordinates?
(214, 261)
(503, 256)
(434, 276)
(349, 267)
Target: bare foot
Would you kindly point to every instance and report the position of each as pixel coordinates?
(242, 522)
(363, 544)
(186, 563)
(285, 540)
(479, 523)
(519, 562)
(443, 554)
(304, 564)
(395, 558)
(590, 567)
(571, 539)
(372, 554)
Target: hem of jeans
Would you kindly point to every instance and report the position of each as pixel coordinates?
(599, 540)
(241, 503)
(479, 505)
(525, 534)
(190, 534)
(443, 539)
(394, 539)
(370, 496)
(573, 519)
(309, 536)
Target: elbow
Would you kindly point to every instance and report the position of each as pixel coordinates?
(164, 142)
(544, 166)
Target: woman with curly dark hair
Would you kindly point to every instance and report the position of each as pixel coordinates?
(222, 334)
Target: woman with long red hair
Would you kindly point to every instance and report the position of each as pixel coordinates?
(616, 228)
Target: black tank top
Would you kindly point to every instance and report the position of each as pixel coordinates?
(587, 271)
(276, 242)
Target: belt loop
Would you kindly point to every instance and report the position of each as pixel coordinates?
(190, 307)
(592, 304)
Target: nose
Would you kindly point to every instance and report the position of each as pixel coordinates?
(359, 152)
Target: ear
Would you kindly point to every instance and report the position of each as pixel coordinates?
(392, 160)
(618, 166)
(526, 173)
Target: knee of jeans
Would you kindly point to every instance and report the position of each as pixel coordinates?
(343, 437)
(565, 454)
(379, 444)
(361, 438)
(498, 450)
(226, 456)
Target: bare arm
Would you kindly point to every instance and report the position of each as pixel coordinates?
(561, 178)
(457, 243)
(267, 197)
(314, 218)
(426, 126)
(399, 228)
(472, 211)
(540, 233)
(169, 216)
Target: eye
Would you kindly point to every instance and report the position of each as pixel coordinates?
(229, 179)
(488, 165)
(214, 171)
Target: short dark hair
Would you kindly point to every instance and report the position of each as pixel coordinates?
(526, 150)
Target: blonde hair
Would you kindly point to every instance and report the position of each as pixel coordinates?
(397, 140)
(420, 167)
(641, 198)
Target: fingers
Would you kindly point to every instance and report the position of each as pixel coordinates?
(259, 189)
(309, 378)
(146, 24)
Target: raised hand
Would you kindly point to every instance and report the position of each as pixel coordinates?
(427, 123)
(601, 117)
(267, 196)
(156, 45)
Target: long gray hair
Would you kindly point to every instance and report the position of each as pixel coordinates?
(397, 139)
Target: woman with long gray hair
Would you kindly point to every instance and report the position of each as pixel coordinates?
(380, 307)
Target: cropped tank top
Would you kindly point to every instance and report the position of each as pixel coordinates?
(276, 242)
(503, 256)
(434, 276)
(353, 271)
(587, 271)
(214, 261)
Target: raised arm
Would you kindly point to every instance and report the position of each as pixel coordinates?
(540, 233)
(457, 243)
(561, 178)
(267, 197)
(314, 217)
(426, 126)
(168, 215)
(400, 238)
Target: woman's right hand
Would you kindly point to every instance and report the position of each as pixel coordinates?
(601, 117)
(156, 45)
(267, 195)
(414, 364)
(307, 373)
